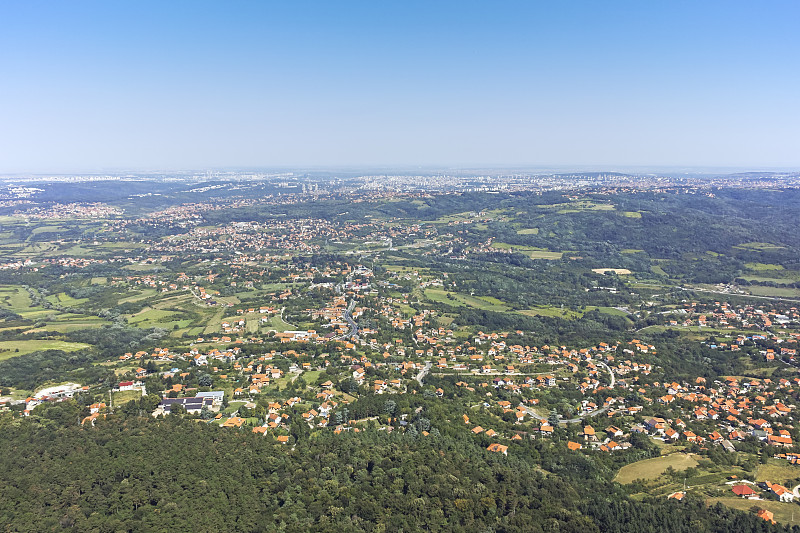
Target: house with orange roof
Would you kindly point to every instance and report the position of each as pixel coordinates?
(499, 448)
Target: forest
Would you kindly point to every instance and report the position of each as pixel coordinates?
(133, 474)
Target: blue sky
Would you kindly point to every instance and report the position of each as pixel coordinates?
(150, 85)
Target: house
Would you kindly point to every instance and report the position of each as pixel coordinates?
(765, 515)
(126, 385)
(779, 491)
(216, 396)
(499, 448)
(233, 422)
(743, 491)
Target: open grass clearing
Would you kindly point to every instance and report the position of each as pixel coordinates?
(276, 323)
(568, 314)
(65, 300)
(761, 267)
(759, 246)
(531, 251)
(14, 298)
(137, 295)
(784, 513)
(71, 325)
(123, 397)
(777, 471)
(576, 206)
(653, 468)
(657, 270)
(778, 292)
(777, 277)
(8, 349)
(486, 303)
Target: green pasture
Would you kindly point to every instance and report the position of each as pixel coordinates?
(8, 349)
(653, 468)
(486, 303)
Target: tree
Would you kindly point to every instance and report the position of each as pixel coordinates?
(205, 381)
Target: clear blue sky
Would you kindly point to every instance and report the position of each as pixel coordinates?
(135, 84)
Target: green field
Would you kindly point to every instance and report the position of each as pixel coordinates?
(760, 267)
(530, 251)
(777, 471)
(784, 513)
(275, 323)
(758, 246)
(8, 349)
(653, 468)
(778, 292)
(569, 314)
(137, 295)
(528, 231)
(65, 300)
(774, 276)
(577, 206)
(77, 323)
(486, 303)
(15, 298)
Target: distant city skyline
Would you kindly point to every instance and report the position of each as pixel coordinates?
(97, 86)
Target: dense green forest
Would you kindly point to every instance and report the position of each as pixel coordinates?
(134, 474)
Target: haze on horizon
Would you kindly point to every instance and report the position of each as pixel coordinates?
(147, 85)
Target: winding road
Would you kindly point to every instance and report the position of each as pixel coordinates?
(350, 322)
(424, 372)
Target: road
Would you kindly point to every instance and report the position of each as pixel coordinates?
(424, 372)
(350, 322)
(613, 378)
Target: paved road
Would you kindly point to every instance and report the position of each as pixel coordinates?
(423, 372)
(613, 378)
(350, 322)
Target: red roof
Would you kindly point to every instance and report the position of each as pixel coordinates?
(743, 490)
